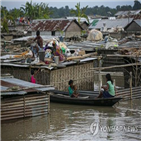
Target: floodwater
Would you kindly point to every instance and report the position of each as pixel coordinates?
(79, 123)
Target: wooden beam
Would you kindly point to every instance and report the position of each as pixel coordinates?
(116, 66)
(120, 55)
(111, 73)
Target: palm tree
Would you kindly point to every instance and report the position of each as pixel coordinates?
(80, 12)
(36, 11)
(42, 11)
(15, 13)
(5, 19)
(28, 9)
(45, 10)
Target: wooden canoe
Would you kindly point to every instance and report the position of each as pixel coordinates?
(83, 99)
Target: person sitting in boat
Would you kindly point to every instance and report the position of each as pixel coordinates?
(109, 89)
(72, 89)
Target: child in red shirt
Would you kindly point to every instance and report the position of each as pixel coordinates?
(33, 80)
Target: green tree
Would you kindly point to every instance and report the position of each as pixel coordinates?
(6, 18)
(44, 11)
(137, 5)
(118, 7)
(67, 11)
(80, 12)
(36, 11)
(29, 10)
(16, 13)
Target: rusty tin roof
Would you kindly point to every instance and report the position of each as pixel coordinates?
(52, 25)
(8, 81)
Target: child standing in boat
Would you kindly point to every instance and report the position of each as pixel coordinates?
(109, 89)
(72, 89)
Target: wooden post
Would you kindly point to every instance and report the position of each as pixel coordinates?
(48, 95)
(136, 72)
(130, 85)
(100, 78)
(100, 81)
(115, 85)
(24, 104)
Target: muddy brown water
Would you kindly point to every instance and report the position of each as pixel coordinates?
(77, 123)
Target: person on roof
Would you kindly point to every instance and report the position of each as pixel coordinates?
(39, 45)
(56, 51)
(39, 39)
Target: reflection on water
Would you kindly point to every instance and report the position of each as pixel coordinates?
(72, 122)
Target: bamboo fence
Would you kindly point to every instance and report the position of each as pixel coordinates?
(84, 81)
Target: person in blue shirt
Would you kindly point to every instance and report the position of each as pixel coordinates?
(72, 89)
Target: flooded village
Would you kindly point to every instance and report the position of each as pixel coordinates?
(72, 77)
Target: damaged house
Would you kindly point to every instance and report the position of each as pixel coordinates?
(57, 27)
(134, 27)
(107, 24)
(85, 25)
(135, 14)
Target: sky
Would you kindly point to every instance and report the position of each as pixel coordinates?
(10, 4)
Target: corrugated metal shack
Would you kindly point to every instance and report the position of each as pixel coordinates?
(134, 27)
(57, 27)
(135, 58)
(85, 25)
(136, 14)
(111, 23)
(58, 76)
(20, 99)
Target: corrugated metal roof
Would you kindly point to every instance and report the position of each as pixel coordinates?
(131, 44)
(26, 65)
(19, 82)
(24, 86)
(3, 88)
(121, 13)
(52, 25)
(87, 45)
(14, 93)
(81, 20)
(131, 16)
(118, 13)
(111, 23)
(26, 38)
